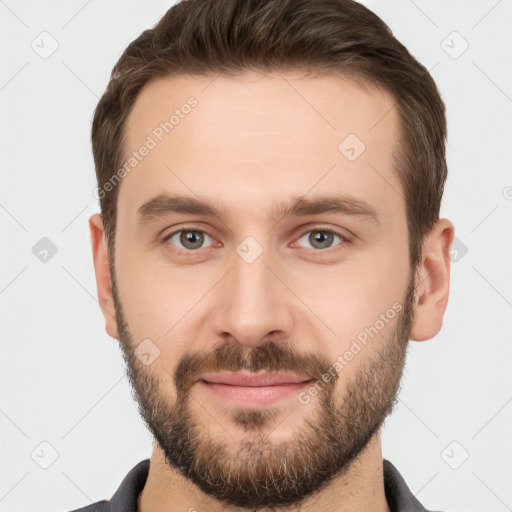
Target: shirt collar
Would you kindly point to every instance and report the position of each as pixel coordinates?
(398, 495)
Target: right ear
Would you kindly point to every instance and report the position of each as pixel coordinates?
(102, 270)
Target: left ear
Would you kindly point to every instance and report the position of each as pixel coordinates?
(433, 282)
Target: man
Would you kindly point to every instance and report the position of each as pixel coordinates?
(270, 175)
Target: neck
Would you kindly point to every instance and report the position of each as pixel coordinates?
(359, 489)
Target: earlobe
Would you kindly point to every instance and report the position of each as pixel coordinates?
(433, 282)
(102, 271)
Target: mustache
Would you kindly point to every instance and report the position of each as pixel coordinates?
(272, 356)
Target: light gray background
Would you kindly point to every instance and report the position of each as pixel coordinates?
(62, 377)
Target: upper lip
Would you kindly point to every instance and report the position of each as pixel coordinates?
(252, 379)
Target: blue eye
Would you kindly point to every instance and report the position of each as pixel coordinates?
(322, 238)
(191, 239)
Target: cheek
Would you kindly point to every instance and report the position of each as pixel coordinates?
(360, 303)
(353, 294)
(162, 304)
(150, 301)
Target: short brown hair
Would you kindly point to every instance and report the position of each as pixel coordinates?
(207, 37)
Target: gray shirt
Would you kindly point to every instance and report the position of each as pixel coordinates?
(398, 495)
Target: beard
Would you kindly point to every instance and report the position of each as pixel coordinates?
(260, 473)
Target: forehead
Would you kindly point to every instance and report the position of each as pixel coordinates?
(251, 138)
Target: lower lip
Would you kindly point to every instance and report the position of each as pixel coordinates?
(250, 396)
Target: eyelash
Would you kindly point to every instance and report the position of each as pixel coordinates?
(345, 240)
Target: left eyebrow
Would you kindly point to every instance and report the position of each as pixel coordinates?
(164, 204)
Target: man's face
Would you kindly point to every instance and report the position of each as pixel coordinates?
(318, 294)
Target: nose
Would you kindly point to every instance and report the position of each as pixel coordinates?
(253, 302)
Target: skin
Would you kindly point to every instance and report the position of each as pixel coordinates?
(253, 140)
